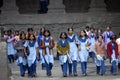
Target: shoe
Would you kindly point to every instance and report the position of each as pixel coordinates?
(34, 75)
(114, 74)
(64, 75)
(22, 75)
(75, 74)
(85, 74)
(70, 75)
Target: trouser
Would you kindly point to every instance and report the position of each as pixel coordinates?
(44, 8)
(48, 68)
(64, 67)
(92, 54)
(83, 67)
(74, 65)
(11, 58)
(22, 68)
(101, 68)
(113, 67)
(32, 69)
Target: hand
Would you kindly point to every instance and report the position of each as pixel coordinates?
(79, 48)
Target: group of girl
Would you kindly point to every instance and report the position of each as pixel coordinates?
(27, 49)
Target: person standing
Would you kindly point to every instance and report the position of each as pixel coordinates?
(21, 60)
(107, 34)
(118, 42)
(40, 36)
(47, 45)
(63, 49)
(10, 46)
(73, 53)
(83, 51)
(31, 57)
(43, 6)
(112, 49)
(100, 55)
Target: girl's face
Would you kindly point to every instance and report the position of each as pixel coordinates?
(31, 37)
(63, 36)
(35, 33)
(46, 34)
(23, 36)
(92, 30)
(99, 31)
(108, 28)
(70, 31)
(42, 30)
(82, 33)
(100, 38)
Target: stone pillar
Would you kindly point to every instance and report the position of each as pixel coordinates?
(9, 7)
(5, 72)
(97, 6)
(56, 6)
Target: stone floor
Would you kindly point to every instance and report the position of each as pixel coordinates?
(57, 74)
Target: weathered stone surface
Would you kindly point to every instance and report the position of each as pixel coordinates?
(4, 69)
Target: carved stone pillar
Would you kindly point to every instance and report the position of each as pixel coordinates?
(56, 6)
(9, 7)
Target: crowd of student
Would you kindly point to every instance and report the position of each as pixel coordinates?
(29, 48)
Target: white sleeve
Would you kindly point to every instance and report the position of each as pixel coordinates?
(26, 44)
(36, 44)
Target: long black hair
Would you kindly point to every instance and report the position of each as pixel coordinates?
(62, 34)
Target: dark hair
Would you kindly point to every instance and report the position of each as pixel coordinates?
(16, 32)
(41, 33)
(30, 29)
(108, 26)
(22, 34)
(84, 32)
(48, 32)
(87, 27)
(119, 34)
(33, 36)
(63, 33)
(92, 28)
(113, 37)
(99, 36)
(70, 28)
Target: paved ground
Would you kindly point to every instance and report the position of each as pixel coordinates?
(57, 74)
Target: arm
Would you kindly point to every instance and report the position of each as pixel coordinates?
(95, 49)
(52, 43)
(42, 44)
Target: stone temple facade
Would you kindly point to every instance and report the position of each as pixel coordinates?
(21, 14)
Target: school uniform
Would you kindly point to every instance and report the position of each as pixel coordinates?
(106, 36)
(112, 49)
(40, 51)
(73, 54)
(10, 48)
(92, 39)
(47, 53)
(83, 54)
(21, 61)
(63, 48)
(118, 42)
(99, 58)
(31, 58)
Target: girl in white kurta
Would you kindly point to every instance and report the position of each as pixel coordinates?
(73, 53)
(47, 44)
(40, 36)
(10, 46)
(83, 52)
(31, 58)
